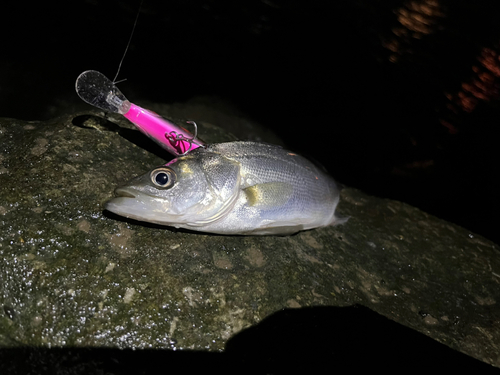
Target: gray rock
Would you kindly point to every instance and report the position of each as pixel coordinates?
(73, 275)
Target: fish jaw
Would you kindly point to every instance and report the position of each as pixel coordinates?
(136, 205)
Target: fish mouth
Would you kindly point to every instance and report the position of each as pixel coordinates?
(134, 204)
(124, 192)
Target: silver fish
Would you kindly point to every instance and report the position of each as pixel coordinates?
(244, 188)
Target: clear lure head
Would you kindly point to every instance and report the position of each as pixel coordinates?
(97, 90)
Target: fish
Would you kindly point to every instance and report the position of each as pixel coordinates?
(233, 188)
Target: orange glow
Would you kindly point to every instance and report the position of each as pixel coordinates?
(483, 86)
(416, 18)
(450, 127)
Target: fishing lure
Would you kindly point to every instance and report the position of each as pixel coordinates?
(96, 89)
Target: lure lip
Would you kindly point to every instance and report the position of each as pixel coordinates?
(97, 90)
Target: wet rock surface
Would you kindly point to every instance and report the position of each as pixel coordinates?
(73, 275)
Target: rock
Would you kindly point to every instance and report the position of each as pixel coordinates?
(75, 276)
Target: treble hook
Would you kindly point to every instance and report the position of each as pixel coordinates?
(173, 137)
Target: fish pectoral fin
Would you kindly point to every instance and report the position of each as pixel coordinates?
(339, 220)
(268, 194)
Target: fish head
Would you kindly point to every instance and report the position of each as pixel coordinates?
(192, 190)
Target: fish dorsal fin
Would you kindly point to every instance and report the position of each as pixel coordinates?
(268, 195)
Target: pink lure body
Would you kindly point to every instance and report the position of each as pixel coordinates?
(173, 138)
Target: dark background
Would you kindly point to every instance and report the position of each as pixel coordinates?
(312, 340)
(398, 99)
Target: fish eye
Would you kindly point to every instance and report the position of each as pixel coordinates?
(163, 177)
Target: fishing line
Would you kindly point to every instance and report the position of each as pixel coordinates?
(128, 44)
(96, 89)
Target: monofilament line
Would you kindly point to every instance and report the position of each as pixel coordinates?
(128, 44)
